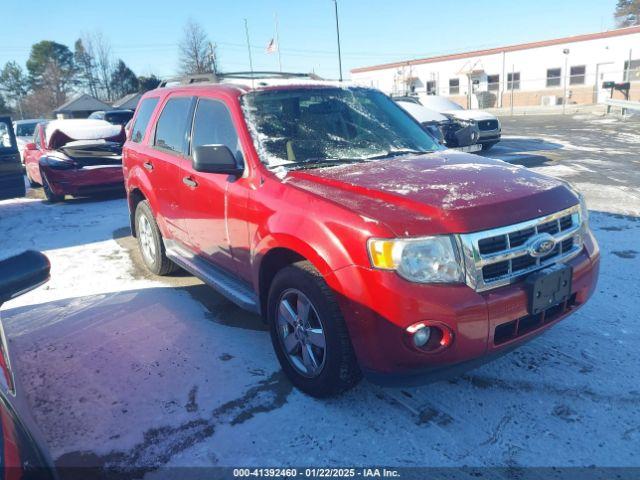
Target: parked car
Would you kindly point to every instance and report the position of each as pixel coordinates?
(75, 157)
(366, 246)
(24, 130)
(23, 454)
(11, 177)
(116, 117)
(451, 133)
(488, 125)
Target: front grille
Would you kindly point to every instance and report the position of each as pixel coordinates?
(484, 125)
(497, 257)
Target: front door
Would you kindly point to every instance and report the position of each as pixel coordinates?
(206, 197)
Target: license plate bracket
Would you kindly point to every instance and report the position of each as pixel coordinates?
(549, 287)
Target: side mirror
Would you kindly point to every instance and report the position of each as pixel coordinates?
(215, 159)
(30, 146)
(22, 273)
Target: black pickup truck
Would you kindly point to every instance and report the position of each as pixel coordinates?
(11, 177)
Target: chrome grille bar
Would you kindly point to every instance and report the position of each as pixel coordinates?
(475, 260)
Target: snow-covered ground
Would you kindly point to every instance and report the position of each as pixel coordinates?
(124, 369)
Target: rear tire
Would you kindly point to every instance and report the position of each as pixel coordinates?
(303, 315)
(48, 193)
(150, 241)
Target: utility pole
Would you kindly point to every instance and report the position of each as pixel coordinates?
(278, 42)
(335, 4)
(212, 58)
(246, 29)
(513, 84)
(566, 79)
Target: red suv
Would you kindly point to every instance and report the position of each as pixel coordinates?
(366, 246)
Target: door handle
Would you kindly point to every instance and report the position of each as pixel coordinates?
(148, 165)
(189, 182)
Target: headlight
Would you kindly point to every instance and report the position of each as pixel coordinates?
(423, 260)
(584, 211)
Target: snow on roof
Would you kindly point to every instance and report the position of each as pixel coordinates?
(82, 129)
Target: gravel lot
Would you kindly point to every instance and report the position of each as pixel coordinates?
(127, 369)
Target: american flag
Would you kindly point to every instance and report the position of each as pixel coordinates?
(272, 46)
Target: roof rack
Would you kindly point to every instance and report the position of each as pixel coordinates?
(219, 77)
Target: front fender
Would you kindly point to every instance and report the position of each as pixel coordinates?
(137, 179)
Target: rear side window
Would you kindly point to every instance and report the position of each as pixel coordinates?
(145, 110)
(212, 125)
(171, 130)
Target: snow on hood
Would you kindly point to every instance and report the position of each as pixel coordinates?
(61, 132)
(470, 114)
(421, 113)
(442, 192)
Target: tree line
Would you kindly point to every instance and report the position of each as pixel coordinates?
(54, 72)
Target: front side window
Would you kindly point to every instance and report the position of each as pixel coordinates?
(577, 75)
(318, 126)
(146, 108)
(454, 86)
(212, 125)
(493, 82)
(553, 77)
(171, 129)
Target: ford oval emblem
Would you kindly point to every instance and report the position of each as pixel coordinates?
(541, 245)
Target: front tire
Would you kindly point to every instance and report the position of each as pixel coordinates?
(150, 241)
(309, 334)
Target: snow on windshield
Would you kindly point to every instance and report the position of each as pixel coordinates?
(304, 125)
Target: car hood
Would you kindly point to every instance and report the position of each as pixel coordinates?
(442, 192)
(470, 114)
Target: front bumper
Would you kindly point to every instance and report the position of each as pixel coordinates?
(378, 306)
(84, 181)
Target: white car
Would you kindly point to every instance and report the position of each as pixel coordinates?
(450, 132)
(488, 125)
(24, 132)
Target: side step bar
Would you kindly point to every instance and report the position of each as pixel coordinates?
(234, 289)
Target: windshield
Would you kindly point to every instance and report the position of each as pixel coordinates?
(331, 125)
(118, 118)
(25, 129)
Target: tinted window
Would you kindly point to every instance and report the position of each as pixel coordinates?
(577, 75)
(212, 125)
(5, 135)
(25, 129)
(145, 110)
(171, 130)
(454, 86)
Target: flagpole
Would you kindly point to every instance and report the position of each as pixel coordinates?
(278, 42)
(246, 29)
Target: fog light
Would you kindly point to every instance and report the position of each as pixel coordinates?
(421, 336)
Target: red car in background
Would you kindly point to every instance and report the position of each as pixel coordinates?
(75, 157)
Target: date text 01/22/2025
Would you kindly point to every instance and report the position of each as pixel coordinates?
(316, 472)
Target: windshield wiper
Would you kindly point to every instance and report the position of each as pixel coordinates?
(321, 162)
(397, 153)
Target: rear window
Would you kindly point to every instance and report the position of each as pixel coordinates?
(146, 108)
(25, 129)
(171, 130)
(118, 118)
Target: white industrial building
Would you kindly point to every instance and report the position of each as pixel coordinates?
(537, 73)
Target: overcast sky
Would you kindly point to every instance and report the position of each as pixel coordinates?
(145, 33)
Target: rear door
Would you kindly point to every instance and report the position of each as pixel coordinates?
(11, 178)
(170, 144)
(207, 198)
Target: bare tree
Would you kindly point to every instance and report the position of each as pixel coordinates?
(104, 63)
(197, 53)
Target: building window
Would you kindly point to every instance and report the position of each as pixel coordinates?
(513, 81)
(454, 86)
(493, 83)
(553, 77)
(632, 74)
(431, 87)
(577, 75)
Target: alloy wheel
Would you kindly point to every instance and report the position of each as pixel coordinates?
(301, 333)
(147, 242)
